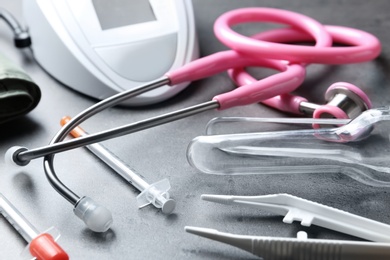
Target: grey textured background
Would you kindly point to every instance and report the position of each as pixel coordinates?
(160, 153)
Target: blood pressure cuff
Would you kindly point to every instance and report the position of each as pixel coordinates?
(18, 93)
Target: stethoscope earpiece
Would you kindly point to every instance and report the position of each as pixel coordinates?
(345, 100)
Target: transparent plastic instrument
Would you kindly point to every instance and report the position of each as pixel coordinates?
(358, 149)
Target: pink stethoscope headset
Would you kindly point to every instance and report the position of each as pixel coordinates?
(267, 49)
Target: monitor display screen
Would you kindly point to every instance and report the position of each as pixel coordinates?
(118, 13)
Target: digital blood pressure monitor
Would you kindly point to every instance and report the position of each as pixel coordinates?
(102, 47)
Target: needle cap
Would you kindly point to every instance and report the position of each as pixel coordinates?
(43, 247)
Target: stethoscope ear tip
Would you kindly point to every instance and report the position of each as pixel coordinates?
(11, 158)
(97, 217)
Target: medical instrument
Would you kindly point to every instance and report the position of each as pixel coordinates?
(355, 149)
(155, 193)
(109, 47)
(297, 209)
(235, 125)
(364, 47)
(308, 212)
(281, 248)
(40, 245)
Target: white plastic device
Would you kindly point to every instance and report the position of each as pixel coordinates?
(308, 212)
(100, 47)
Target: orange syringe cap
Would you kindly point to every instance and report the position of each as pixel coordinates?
(43, 247)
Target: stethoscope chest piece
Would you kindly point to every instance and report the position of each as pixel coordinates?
(344, 100)
(347, 97)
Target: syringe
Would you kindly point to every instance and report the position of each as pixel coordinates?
(40, 245)
(156, 193)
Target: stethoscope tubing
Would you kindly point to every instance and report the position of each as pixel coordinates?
(366, 46)
(287, 80)
(84, 115)
(341, 35)
(118, 131)
(57, 147)
(48, 159)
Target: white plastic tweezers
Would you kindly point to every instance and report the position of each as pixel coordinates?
(308, 212)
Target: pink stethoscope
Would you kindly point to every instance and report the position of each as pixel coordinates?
(345, 99)
(262, 50)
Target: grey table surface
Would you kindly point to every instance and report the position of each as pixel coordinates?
(161, 153)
